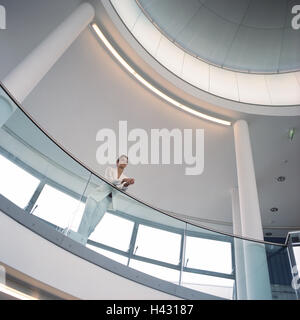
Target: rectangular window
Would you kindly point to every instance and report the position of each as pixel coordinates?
(113, 231)
(58, 208)
(216, 286)
(206, 254)
(16, 184)
(158, 244)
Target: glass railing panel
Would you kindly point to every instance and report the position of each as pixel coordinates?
(208, 262)
(113, 231)
(21, 192)
(158, 244)
(56, 207)
(37, 175)
(206, 254)
(96, 222)
(216, 286)
(114, 222)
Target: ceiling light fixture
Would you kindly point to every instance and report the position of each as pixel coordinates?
(150, 86)
(281, 179)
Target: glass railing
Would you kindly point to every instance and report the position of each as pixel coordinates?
(48, 183)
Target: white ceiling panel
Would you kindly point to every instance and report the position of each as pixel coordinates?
(147, 34)
(223, 83)
(196, 72)
(284, 89)
(170, 56)
(128, 10)
(253, 89)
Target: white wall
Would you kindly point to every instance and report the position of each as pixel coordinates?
(27, 24)
(56, 267)
(87, 90)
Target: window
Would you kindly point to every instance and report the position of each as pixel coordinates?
(59, 208)
(16, 184)
(157, 271)
(206, 254)
(113, 231)
(158, 244)
(216, 286)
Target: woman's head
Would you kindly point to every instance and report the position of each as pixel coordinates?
(122, 161)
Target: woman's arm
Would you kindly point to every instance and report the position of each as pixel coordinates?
(110, 177)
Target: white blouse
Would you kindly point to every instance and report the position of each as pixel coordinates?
(111, 174)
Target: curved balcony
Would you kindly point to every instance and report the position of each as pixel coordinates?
(47, 190)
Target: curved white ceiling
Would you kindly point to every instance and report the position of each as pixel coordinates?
(243, 35)
(260, 89)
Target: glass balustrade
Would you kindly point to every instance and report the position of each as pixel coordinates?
(46, 182)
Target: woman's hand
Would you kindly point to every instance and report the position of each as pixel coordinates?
(128, 181)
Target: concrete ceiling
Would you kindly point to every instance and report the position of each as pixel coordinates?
(246, 35)
(88, 90)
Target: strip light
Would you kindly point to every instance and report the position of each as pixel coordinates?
(14, 293)
(150, 86)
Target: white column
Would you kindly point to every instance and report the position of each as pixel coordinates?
(24, 78)
(240, 276)
(256, 267)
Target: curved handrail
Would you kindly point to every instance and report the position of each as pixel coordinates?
(119, 190)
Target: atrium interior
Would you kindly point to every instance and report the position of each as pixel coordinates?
(201, 98)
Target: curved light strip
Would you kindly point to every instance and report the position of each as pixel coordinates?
(150, 86)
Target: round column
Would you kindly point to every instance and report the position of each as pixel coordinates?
(24, 78)
(256, 266)
(240, 276)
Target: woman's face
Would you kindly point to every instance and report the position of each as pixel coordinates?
(122, 162)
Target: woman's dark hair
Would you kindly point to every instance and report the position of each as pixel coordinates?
(123, 155)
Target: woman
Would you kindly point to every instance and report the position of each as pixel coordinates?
(97, 203)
